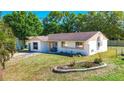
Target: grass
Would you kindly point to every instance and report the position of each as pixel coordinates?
(39, 67)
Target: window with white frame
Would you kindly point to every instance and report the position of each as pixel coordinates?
(79, 44)
(63, 44)
(35, 45)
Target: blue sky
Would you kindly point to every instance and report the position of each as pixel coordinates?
(42, 14)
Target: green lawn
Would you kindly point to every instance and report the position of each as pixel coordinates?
(39, 67)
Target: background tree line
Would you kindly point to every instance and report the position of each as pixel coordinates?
(110, 23)
(24, 24)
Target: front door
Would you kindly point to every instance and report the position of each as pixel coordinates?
(53, 46)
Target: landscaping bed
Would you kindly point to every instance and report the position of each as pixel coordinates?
(76, 67)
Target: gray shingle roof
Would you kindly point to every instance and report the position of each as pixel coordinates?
(41, 38)
(71, 36)
(77, 36)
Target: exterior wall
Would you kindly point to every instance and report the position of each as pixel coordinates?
(92, 42)
(90, 46)
(71, 48)
(42, 46)
(19, 44)
(35, 50)
(93, 47)
(99, 34)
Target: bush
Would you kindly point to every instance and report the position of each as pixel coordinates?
(98, 60)
(122, 54)
(61, 52)
(66, 54)
(88, 64)
(78, 54)
(72, 64)
(53, 49)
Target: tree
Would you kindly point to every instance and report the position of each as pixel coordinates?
(7, 43)
(52, 23)
(110, 23)
(27, 24)
(58, 22)
(34, 26)
(81, 23)
(113, 28)
(68, 22)
(24, 24)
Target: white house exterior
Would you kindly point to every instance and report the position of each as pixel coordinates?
(86, 43)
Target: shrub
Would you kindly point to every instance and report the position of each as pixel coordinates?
(53, 49)
(88, 64)
(61, 52)
(122, 54)
(98, 60)
(71, 64)
(78, 54)
(66, 54)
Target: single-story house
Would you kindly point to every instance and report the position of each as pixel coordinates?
(86, 43)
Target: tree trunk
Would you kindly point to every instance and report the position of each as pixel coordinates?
(3, 65)
(1, 74)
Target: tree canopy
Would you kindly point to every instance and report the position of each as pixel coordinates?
(24, 24)
(108, 22)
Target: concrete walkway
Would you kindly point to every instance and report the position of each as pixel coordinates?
(22, 55)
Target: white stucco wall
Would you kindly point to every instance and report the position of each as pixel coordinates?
(90, 46)
(42, 46)
(72, 49)
(19, 44)
(93, 47)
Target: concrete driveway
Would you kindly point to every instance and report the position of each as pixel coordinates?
(22, 55)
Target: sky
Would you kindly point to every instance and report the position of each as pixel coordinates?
(42, 14)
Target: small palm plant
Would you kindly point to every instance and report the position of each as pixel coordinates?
(72, 63)
(98, 60)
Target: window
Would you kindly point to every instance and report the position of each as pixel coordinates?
(79, 44)
(63, 44)
(35, 45)
(99, 43)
